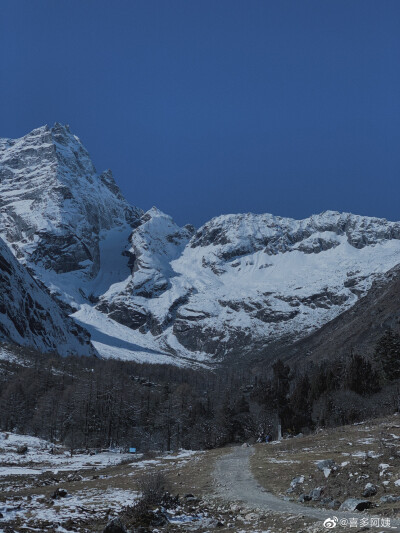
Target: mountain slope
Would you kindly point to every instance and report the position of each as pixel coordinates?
(357, 329)
(245, 283)
(54, 205)
(29, 316)
(241, 286)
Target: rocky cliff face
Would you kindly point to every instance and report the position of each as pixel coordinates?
(29, 316)
(53, 204)
(149, 290)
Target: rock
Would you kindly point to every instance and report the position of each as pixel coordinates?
(327, 472)
(329, 503)
(74, 477)
(304, 498)
(315, 494)
(369, 490)
(246, 445)
(297, 481)
(22, 449)
(326, 463)
(251, 516)
(115, 526)
(353, 504)
(59, 493)
(159, 519)
(389, 498)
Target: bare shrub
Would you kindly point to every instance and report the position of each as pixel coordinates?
(153, 495)
(152, 487)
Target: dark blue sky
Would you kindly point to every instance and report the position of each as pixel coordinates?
(207, 107)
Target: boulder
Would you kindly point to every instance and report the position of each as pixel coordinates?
(115, 526)
(369, 490)
(325, 463)
(251, 516)
(315, 494)
(297, 481)
(334, 504)
(74, 477)
(59, 493)
(389, 498)
(353, 504)
(22, 449)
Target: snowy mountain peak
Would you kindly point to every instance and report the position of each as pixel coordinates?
(150, 290)
(53, 204)
(237, 235)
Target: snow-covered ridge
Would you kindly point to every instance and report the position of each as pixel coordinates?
(245, 282)
(150, 290)
(239, 234)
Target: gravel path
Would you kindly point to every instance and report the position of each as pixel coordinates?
(235, 483)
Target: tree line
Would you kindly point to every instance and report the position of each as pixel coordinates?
(90, 403)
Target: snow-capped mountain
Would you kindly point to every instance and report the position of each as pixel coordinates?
(244, 283)
(29, 316)
(149, 290)
(54, 205)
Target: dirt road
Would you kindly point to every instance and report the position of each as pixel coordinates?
(234, 482)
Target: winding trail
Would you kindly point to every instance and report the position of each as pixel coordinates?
(234, 482)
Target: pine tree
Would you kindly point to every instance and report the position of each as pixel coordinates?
(387, 354)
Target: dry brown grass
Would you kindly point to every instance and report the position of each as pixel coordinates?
(275, 465)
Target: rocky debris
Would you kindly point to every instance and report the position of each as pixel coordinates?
(330, 503)
(304, 498)
(369, 490)
(326, 463)
(74, 477)
(59, 493)
(190, 498)
(390, 498)
(251, 516)
(299, 480)
(23, 449)
(115, 526)
(353, 504)
(315, 494)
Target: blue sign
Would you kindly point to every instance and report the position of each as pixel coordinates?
(132, 450)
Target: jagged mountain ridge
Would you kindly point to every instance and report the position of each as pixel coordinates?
(149, 290)
(243, 283)
(53, 204)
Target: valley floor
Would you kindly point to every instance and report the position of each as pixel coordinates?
(243, 488)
